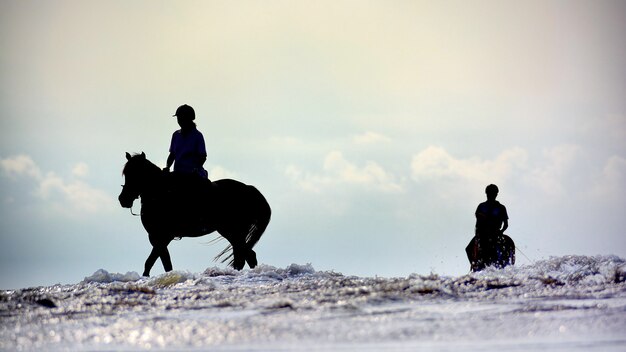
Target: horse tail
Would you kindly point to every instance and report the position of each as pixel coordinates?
(259, 214)
(262, 215)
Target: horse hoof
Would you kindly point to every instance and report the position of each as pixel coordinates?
(239, 264)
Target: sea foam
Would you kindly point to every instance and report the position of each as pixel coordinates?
(573, 303)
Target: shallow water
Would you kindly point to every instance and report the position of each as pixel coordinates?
(560, 304)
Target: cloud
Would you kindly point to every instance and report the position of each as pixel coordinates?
(337, 171)
(612, 179)
(559, 162)
(69, 196)
(20, 165)
(436, 163)
(561, 171)
(370, 138)
(80, 170)
(218, 173)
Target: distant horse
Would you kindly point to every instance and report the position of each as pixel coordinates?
(178, 205)
(498, 252)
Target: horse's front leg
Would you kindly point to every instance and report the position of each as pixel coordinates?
(154, 255)
(159, 249)
(165, 259)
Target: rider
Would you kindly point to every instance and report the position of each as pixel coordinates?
(187, 149)
(188, 181)
(491, 222)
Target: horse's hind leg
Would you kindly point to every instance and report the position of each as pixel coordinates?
(242, 252)
(251, 258)
(238, 244)
(243, 255)
(239, 259)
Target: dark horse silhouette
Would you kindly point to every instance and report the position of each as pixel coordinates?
(484, 252)
(178, 205)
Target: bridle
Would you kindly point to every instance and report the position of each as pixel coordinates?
(131, 211)
(131, 207)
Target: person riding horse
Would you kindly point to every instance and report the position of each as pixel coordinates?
(187, 148)
(188, 185)
(173, 207)
(490, 246)
(491, 216)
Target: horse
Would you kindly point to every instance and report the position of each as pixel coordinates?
(483, 252)
(175, 205)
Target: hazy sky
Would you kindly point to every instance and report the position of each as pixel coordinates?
(372, 127)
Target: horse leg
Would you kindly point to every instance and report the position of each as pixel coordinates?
(154, 255)
(165, 259)
(159, 249)
(238, 245)
(242, 255)
(251, 258)
(239, 259)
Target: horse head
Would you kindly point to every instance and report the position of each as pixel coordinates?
(135, 172)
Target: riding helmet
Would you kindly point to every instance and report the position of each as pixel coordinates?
(185, 111)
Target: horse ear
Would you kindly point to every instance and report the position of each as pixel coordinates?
(127, 156)
(143, 155)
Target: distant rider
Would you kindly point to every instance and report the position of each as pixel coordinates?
(491, 222)
(187, 149)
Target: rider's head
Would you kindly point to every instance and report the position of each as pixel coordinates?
(185, 112)
(185, 115)
(492, 191)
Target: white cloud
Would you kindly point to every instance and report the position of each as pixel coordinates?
(612, 180)
(559, 162)
(80, 170)
(20, 165)
(559, 172)
(285, 141)
(70, 196)
(218, 173)
(370, 138)
(337, 171)
(435, 163)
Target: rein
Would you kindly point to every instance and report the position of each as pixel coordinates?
(140, 194)
(131, 211)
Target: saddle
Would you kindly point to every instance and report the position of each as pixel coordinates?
(190, 198)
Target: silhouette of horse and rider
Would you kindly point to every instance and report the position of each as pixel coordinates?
(185, 203)
(490, 246)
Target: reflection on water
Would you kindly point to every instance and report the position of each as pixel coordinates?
(564, 303)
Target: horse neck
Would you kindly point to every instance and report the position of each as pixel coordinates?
(152, 177)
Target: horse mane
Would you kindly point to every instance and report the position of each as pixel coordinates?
(135, 158)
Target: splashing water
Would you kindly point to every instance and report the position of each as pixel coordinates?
(560, 304)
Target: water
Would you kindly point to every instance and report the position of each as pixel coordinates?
(571, 303)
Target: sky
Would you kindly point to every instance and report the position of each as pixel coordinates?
(371, 127)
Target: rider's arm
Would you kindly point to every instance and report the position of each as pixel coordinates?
(505, 225)
(170, 161)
